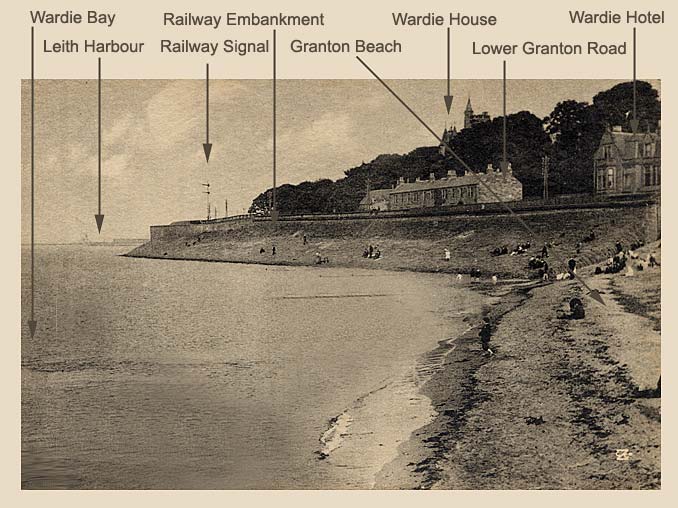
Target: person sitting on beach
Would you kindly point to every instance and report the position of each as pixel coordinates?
(366, 254)
(318, 258)
(485, 334)
(499, 251)
(652, 260)
(572, 267)
(577, 309)
(370, 251)
(377, 253)
(262, 250)
(459, 276)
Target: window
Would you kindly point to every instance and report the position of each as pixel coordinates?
(601, 180)
(649, 149)
(648, 175)
(607, 152)
(628, 181)
(610, 178)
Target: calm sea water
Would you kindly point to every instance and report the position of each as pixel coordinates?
(164, 374)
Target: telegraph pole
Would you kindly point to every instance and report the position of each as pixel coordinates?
(209, 205)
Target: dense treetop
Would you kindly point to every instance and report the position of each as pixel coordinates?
(569, 136)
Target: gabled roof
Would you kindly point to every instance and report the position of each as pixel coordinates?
(443, 183)
(625, 142)
(376, 195)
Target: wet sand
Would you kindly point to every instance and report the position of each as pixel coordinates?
(563, 404)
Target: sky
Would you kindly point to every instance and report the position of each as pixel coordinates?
(153, 162)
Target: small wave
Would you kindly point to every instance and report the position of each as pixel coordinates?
(339, 425)
(334, 435)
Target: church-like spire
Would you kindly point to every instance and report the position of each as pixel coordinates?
(468, 105)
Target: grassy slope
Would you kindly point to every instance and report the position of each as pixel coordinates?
(417, 244)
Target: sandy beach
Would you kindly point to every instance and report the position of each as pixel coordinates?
(563, 403)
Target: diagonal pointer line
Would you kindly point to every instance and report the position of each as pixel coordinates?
(447, 147)
(466, 166)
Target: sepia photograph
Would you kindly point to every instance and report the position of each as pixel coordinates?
(340, 284)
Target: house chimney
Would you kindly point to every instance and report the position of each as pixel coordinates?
(451, 173)
(490, 168)
(401, 180)
(616, 128)
(432, 176)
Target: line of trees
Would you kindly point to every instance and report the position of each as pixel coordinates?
(569, 135)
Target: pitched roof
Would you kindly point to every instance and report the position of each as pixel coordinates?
(376, 195)
(625, 142)
(443, 183)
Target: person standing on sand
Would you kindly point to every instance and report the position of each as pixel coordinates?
(447, 254)
(273, 251)
(485, 334)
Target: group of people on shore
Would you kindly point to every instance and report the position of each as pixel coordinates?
(262, 250)
(372, 252)
(521, 248)
(628, 260)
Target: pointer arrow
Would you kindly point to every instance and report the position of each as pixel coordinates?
(207, 146)
(448, 97)
(634, 120)
(32, 323)
(504, 159)
(592, 293)
(99, 217)
(274, 211)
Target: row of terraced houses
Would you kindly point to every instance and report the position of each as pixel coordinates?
(624, 163)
